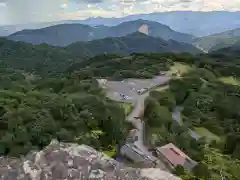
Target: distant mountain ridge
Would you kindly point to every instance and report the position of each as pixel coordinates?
(135, 42)
(65, 34)
(182, 21)
(58, 35)
(218, 40)
(232, 50)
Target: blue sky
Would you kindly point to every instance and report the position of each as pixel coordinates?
(24, 11)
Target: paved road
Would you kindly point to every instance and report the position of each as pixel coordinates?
(176, 115)
(129, 87)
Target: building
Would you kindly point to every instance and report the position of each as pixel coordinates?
(132, 137)
(133, 153)
(173, 156)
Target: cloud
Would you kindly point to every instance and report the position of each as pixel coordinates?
(2, 4)
(23, 11)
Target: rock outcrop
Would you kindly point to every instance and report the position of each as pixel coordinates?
(65, 161)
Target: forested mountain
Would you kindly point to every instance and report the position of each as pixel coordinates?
(46, 59)
(182, 21)
(218, 41)
(198, 23)
(135, 42)
(58, 35)
(43, 58)
(65, 34)
(154, 29)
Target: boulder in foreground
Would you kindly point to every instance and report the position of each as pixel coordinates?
(73, 162)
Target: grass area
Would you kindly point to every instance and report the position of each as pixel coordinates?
(126, 106)
(161, 88)
(230, 80)
(110, 153)
(207, 134)
(180, 67)
(218, 162)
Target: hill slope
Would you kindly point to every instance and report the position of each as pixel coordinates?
(219, 40)
(233, 50)
(45, 59)
(135, 42)
(58, 35)
(181, 21)
(41, 58)
(65, 34)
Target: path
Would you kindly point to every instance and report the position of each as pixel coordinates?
(176, 115)
(129, 87)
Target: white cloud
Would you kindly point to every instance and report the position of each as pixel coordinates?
(22, 11)
(2, 4)
(64, 6)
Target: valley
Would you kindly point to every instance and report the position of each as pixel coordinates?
(147, 97)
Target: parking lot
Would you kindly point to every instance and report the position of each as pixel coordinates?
(127, 90)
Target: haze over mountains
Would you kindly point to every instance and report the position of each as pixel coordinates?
(218, 40)
(192, 22)
(65, 34)
(115, 32)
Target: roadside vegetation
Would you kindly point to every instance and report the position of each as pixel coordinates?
(230, 80)
(180, 68)
(210, 137)
(69, 108)
(126, 106)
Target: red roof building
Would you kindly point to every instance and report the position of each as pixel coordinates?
(173, 156)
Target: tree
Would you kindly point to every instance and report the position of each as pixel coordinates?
(179, 170)
(201, 171)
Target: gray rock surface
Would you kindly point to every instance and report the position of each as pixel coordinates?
(65, 161)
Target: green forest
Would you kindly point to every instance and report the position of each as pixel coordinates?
(209, 96)
(35, 110)
(48, 92)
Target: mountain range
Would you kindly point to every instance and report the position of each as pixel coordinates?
(218, 40)
(191, 22)
(135, 42)
(65, 34)
(47, 59)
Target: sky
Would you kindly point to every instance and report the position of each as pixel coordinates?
(25, 11)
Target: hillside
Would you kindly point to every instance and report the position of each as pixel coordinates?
(208, 23)
(135, 42)
(58, 35)
(43, 58)
(182, 21)
(154, 29)
(65, 34)
(218, 41)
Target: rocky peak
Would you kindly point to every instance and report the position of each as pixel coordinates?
(66, 161)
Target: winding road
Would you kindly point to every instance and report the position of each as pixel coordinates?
(176, 116)
(129, 88)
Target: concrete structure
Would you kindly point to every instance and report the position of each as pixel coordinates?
(133, 153)
(132, 137)
(173, 156)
